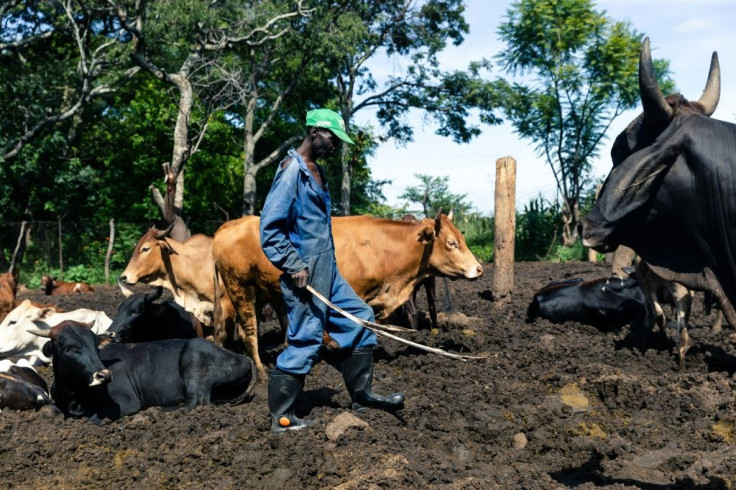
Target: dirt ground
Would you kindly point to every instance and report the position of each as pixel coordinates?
(553, 406)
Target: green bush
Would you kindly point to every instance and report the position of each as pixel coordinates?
(84, 250)
(561, 253)
(537, 230)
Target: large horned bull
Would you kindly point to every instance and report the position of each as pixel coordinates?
(670, 193)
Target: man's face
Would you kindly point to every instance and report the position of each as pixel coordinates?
(324, 143)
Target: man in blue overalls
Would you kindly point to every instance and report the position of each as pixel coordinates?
(296, 236)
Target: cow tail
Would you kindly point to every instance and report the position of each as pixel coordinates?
(220, 335)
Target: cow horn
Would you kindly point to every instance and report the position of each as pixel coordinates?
(40, 333)
(655, 106)
(154, 295)
(163, 233)
(438, 223)
(712, 93)
(126, 292)
(451, 214)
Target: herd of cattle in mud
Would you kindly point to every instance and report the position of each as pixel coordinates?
(182, 351)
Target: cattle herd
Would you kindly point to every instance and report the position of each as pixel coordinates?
(202, 346)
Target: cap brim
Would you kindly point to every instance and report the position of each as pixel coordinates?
(343, 136)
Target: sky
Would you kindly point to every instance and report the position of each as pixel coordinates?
(686, 32)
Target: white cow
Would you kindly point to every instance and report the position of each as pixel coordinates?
(15, 340)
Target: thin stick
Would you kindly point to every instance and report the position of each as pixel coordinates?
(382, 333)
(365, 323)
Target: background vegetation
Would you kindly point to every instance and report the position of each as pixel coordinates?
(97, 97)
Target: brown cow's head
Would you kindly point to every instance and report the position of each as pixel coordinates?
(639, 163)
(450, 255)
(147, 263)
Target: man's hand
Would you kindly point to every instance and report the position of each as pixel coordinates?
(300, 278)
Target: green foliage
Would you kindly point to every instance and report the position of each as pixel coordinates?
(537, 229)
(84, 249)
(478, 233)
(563, 253)
(581, 73)
(432, 195)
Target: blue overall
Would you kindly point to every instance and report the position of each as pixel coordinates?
(296, 233)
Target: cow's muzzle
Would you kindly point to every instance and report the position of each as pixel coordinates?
(595, 236)
(101, 377)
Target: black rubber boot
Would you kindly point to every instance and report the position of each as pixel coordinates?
(357, 371)
(283, 390)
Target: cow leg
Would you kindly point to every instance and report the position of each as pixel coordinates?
(717, 326)
(430, 287)
(223, 316)
(244, 303)
(248, 328)
(683, 299)
(661, 320)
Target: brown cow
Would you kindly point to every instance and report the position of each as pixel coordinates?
(8, 289)
(383, 261)
(53, 287)
(184, 268)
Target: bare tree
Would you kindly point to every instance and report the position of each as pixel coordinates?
(95, 67)
(207, 39)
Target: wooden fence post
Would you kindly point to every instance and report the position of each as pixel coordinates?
(502, 279)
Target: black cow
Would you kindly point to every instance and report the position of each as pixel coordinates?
(606, 304)
(21, 388)
(122, 379)
(673, 174)
(141, 319)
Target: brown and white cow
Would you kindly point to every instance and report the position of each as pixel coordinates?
(184, 268)
(8, 289)
(53, 287)
(383, 260)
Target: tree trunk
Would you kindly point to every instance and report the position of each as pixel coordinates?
(61, 251)
(110, 245)
(249, 191)
(20, 247)
(346, 179)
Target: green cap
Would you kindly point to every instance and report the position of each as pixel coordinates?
(325, 118)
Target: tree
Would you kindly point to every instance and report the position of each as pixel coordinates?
(176, 42)
(416, 31)
(582, 73)
(434, 195)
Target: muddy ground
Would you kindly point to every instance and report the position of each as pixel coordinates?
(553, 406)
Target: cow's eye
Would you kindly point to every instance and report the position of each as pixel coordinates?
(451, 243)
(145, 249)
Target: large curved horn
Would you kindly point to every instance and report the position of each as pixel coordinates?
(40, 333)
(712, 93)
(163, 233)
(656, 109)
(126, 292)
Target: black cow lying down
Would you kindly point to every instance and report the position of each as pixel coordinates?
(607, 303)
(141, 319)
(21, 387)
(122, 379)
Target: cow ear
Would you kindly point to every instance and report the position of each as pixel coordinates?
(89, 325)
(49, 349)
(166, 247)
(426, 235)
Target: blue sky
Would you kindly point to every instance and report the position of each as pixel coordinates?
(684, 31)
